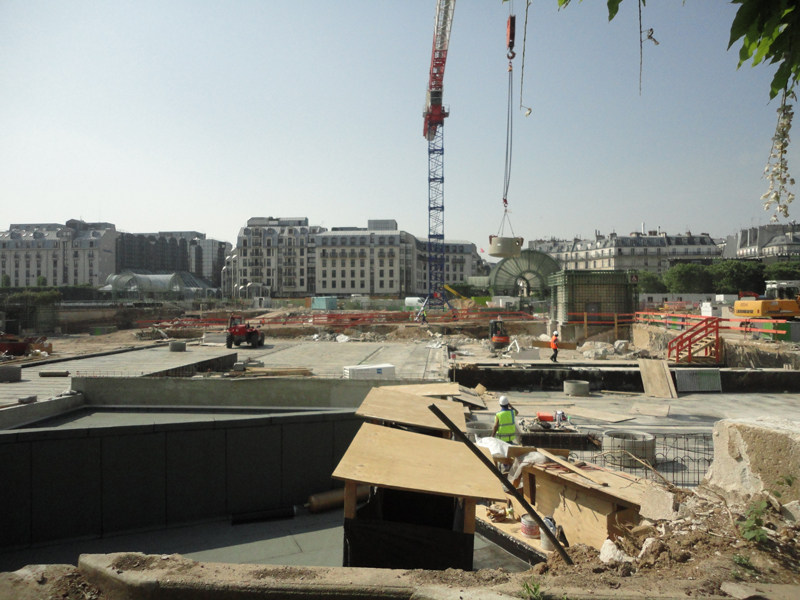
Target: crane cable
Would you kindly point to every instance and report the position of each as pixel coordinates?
(509, 148)
(522, 71)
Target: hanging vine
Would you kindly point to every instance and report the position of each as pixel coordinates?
(777, 169)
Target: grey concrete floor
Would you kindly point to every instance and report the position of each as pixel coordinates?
(306, 540)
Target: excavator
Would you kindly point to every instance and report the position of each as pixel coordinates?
(780, 301)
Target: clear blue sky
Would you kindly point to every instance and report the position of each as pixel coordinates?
(196, 115)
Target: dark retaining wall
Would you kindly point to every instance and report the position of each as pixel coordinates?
(59, 484)
(626, 379)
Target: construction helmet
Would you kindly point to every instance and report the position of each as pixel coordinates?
(555, 333)
(503, 401)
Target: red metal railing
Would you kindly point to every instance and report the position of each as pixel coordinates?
(685, 342)
(726, 324)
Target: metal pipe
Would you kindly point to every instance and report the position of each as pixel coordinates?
(504, 480)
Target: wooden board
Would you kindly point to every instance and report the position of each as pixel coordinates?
(598, 415)
(420, 463)
(407, 409)
(655, 379)
(442, 390)
(650, 409)
(621, 490)
(670, 382)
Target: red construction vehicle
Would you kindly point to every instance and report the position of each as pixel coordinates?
(498, 334)
(239, 330)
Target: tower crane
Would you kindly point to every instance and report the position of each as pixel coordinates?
(434, 115)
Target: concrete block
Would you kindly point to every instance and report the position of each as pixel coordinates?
(28, 399)
(15, 495)
(609, 553)
(750, 455)
(10, 373)
(134, 481)
(306, 467)
(195, 493)
(177, 346)
(239, 366)
(791, 511)
(253, 461)
(621, 346)
(65, 489)
(658, 504)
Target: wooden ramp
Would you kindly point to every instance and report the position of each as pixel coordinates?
(387, 405)
(657, 379)
(443, 390)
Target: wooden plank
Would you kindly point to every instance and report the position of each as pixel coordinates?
(670, 382)
(654, 378)
(350, 499)
(650, 409)
(469, 515)
(571, 467)
(442, 390)
(598, 415)
(386, 404)
(415, 462)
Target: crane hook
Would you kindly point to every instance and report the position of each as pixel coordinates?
(511, 55)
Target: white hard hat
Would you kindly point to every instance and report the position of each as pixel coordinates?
(503, 401)
(555, 333)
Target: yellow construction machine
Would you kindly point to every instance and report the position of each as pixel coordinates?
(780, 301)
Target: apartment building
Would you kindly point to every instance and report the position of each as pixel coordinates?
(654, 251)
(76, 253)
(768, 243)
(172, 251)
(270, 259)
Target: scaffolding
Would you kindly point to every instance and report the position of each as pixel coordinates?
(600, 294)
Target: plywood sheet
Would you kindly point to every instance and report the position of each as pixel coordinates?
(583, 516)
(597, 414)
(656, 379)
(650, 409)
(443, 390)
(407, 409)
(440, 390)
(411, 461)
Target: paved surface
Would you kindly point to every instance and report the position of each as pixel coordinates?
(136, 363)
(308, 540)
(411, 360)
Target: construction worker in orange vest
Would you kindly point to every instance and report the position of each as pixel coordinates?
(554, 346)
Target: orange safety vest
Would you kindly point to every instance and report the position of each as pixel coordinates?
(554, 342)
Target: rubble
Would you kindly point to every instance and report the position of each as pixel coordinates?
(659, 504)
(609, 553)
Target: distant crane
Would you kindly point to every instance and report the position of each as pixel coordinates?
(435, 114)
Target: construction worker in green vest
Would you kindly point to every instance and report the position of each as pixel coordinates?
(505, 428)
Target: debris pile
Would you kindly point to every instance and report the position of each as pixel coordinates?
(603, 350)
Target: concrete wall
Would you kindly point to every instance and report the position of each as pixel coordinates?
(73, 483)
(272, 391)
(16, 416)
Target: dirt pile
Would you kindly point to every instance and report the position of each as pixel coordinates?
(695, 554)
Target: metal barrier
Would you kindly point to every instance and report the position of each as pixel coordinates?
(682, 322)
(681, 459)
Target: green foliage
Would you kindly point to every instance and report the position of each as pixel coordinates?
(688, 279)
(5, 281)
(34, 298)
(753, 527)
(734, 276)
(650, 283)
(41, 281)
(531, 590)
(786, 480)
(742, 561)
(783, 270)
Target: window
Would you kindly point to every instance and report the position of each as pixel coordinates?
(362, 264)
(352, 284)
(324, 274)
(324, 284)
(352, 273)
(380, 274)
(391, 272)
(352, 262)
(380, 262)
(381, 283)
(302, 281)
(391, 262)
(362, 284)
(333, 284)
(362, 271)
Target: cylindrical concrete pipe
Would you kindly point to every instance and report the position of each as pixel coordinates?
(176, 346)
(53, 373)
(334, 499)
(575, 387)
(622, 446)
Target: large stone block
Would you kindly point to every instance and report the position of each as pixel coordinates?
(750, 455)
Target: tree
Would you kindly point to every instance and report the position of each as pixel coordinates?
(688, 279)
(783, 270)
(41, 281)
(650, 283)
(734, 276)
(770, 34)
(5, 281)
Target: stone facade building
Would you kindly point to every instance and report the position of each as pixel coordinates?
(76, 253)
(654, 251)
